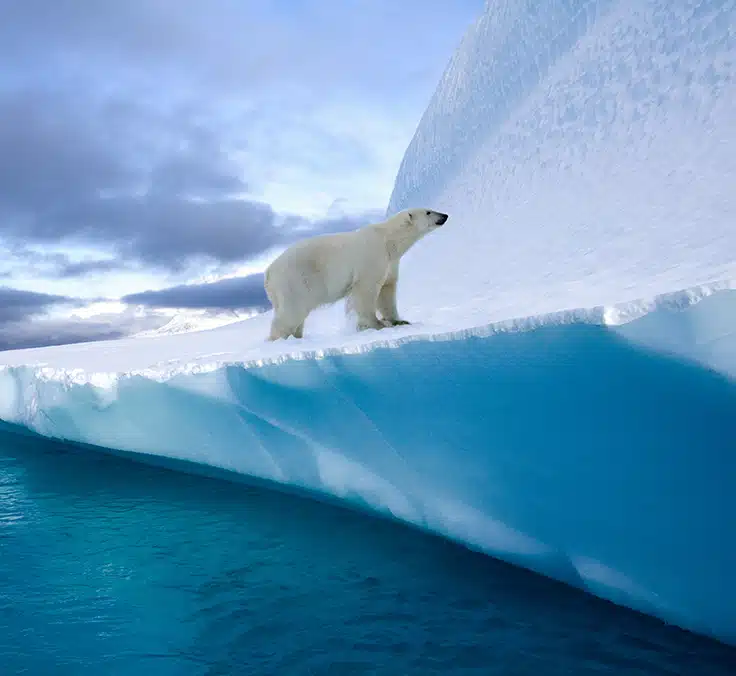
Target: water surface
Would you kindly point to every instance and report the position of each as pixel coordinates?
(112, 567)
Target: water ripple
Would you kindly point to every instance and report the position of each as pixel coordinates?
(111, 567)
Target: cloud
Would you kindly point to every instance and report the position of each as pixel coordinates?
(64, 179)
(237, 293)
(48, 158)
(25, 321)
(83, 268)
(169, 230)
(53, 265)
(16, 305)
(47, 331)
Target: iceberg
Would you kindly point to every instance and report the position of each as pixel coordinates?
(566, 398)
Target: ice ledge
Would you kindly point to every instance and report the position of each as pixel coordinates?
(668, 328)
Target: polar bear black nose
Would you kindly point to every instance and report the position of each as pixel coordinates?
(441, 218)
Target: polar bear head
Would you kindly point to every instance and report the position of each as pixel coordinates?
(425, 220)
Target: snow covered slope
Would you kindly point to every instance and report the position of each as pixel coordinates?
(549, 406)
(587, 151)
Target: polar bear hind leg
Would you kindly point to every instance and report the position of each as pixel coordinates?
(288, 319)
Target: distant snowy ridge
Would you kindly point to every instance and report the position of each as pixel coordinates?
(188, 323)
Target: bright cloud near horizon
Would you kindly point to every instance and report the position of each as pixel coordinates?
(155, 155)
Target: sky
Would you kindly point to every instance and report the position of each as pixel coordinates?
(155, 155)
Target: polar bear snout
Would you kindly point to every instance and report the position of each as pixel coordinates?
(423, 220)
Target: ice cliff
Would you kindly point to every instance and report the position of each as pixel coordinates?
(567, 398)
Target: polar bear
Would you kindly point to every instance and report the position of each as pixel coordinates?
(362, 265)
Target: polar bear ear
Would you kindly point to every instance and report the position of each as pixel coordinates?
(409, 216)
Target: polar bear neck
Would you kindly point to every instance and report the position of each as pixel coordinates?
(399, 237)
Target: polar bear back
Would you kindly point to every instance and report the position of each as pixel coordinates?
(327, 266)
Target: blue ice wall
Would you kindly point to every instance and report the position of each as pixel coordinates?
(570, 450)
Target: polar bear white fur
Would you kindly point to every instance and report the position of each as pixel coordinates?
(362, 265)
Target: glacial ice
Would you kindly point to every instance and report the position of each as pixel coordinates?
(566, 399)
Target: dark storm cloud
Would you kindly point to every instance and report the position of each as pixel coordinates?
(63, 179)
(20, 260)
(118, 121)
(66, 176)
(45, 332)
(168, 231)
(16, 305)
(69, 270)
(238, 293)
(24, 321)
(48, 157)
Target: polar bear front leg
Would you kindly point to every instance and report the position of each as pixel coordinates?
(387, 304)
(364, 299)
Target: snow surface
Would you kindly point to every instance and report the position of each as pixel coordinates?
(595, 162)
(566, 398)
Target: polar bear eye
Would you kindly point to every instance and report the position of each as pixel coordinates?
(429, 213)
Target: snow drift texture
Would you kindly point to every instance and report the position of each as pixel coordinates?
(586, 154)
